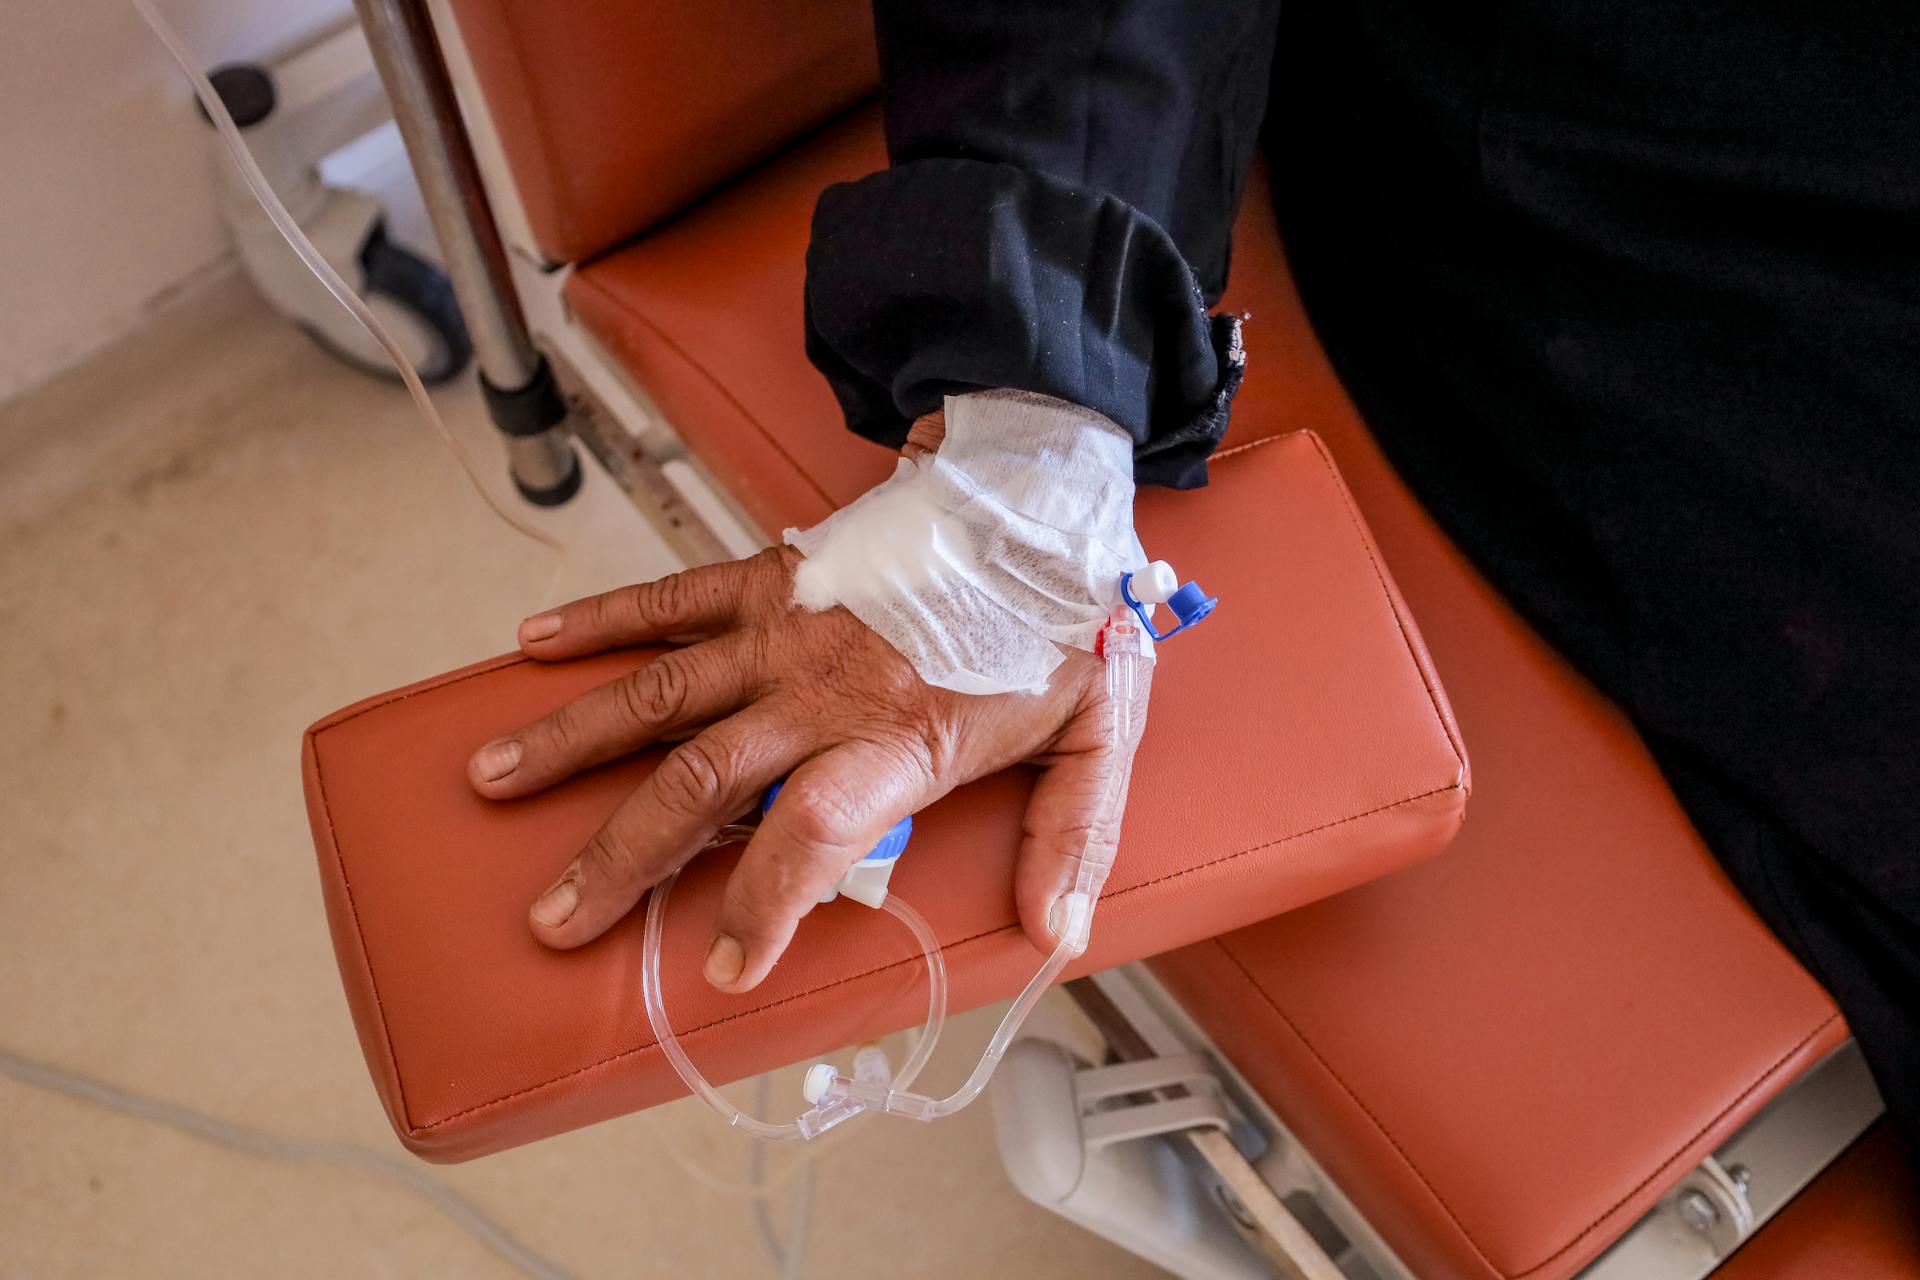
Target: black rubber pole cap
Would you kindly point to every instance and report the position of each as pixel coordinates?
(559, 493)
(245, 90)
(526, 410)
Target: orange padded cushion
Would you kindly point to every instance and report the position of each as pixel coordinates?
(1856, 1221)
(615, 113)
(1297, 744)
(1507, 1055)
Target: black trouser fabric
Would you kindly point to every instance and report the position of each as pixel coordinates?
(1629, 291)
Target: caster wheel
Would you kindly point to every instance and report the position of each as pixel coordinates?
(414, 299)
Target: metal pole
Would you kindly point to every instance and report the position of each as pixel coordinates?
(522, 398)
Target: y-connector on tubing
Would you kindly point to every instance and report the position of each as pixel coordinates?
(837, 1098)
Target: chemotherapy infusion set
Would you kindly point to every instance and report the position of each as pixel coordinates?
(1124, 646)
(1124, 642)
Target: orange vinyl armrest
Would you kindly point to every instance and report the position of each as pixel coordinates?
(1297, 744)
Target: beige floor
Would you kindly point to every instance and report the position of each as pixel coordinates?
(209, 537)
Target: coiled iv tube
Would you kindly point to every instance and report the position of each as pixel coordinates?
(836, 1098)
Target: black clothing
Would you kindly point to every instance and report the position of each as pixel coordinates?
(1060, 173)
(1630, 294)
(1628, 291)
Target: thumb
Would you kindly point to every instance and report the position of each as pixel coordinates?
(1074, 814)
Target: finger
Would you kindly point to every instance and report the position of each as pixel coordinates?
(678, 691)
(1066, 821)
(689, 605)
(700, 785)
(828, 816)
(1074, 813)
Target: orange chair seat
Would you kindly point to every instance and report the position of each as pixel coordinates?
(1504, 1055)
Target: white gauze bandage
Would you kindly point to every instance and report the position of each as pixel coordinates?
(979, 561)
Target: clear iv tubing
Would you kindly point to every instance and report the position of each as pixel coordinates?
(670, 1043)
(323, 270)
(873, 1087)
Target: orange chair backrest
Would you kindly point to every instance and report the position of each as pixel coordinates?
(614, 114)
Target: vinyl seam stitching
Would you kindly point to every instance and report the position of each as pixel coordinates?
(359, 934)
(1380, 577)
(1253, 444)
(512, 660)
(948, 946)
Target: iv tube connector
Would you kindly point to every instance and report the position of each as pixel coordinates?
(1157, 584)
(834, 1098)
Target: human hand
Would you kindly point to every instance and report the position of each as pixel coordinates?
(765, 690)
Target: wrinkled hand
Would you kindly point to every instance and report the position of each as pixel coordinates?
(764, 690)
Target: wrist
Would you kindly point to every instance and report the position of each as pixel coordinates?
(979, 561)
(1043, 460)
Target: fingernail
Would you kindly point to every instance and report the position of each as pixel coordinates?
(725, 960)
(1071, 915)
(497, 759)
(557, 904)
(541, 626)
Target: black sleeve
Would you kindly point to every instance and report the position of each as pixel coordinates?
(1056, 218)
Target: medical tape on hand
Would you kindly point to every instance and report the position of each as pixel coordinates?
(978, 562)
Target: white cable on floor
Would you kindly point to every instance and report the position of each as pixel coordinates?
(462, 1212)
(789, 1257)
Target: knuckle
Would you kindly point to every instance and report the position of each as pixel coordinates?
(656, 694)
(563, 730)
(610, 856)
(916, 747)
(894, 680)
(932, 749)
(770, 572)
(694, 777)
(756, 660)
(666, 597)
(607, 614)
(1082, 839)
(821, 814)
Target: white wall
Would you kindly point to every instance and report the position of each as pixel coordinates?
(106, 207)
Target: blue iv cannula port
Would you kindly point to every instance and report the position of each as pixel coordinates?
(1190, 605)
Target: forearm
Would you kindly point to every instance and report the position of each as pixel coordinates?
(1155, 104)
(1056, 219)
(978, 562)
